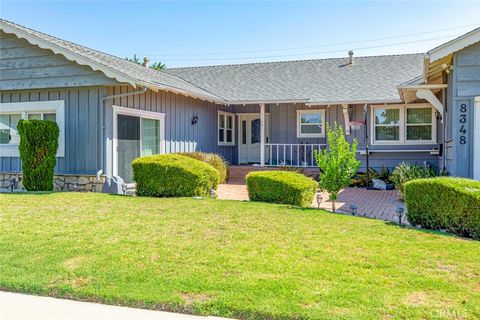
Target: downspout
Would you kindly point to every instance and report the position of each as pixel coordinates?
(102, 114)
(366, 142)
(444, 133)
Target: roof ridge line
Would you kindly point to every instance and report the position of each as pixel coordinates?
(297, 60)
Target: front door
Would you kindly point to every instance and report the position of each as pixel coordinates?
(249, 138)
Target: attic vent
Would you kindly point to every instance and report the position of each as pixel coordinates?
(350, 57)
(145, 62)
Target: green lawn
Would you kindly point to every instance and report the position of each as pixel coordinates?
(233, 259)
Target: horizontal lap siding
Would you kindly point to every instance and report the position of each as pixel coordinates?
(180, 134)
(82, 128)
(24, 66)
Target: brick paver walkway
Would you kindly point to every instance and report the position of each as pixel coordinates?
(374, 204)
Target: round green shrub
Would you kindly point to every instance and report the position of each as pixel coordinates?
(212, 159)
(451, 204)
(281, 187)
(38, 149)
(173, 175)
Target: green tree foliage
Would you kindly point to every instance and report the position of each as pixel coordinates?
(38, 148)
(156, 65)
(337, 163)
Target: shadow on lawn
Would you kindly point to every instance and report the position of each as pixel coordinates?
(390, 223)
(28, 193)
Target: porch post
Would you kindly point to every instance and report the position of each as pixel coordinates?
(262, 134)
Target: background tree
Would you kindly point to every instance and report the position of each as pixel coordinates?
(337, 163)
(156, 65)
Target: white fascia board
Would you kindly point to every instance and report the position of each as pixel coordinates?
(422, 86)
(245, 102)
(327, 103)
(454, 45)
(158, 86)
(72, 56)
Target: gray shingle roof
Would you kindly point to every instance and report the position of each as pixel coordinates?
(372, 78)
(97, 59)
(319, 81)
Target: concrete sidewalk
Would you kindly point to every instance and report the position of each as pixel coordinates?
(16, 306)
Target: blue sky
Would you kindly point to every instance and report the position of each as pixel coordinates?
(205, 33)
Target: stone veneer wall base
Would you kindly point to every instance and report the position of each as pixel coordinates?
(68, 182)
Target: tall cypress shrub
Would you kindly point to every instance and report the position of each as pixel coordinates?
(38, 148)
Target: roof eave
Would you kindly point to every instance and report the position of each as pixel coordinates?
(162, 87)
(454, 45)
(266, 101)
(107, 71)
(334, 102)
(72, 56)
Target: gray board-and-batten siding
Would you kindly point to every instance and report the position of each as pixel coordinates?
(464, 86)
(283, 129)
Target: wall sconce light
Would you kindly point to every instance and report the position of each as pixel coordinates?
(194, 120)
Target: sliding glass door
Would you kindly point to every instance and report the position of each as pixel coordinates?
(137, 137)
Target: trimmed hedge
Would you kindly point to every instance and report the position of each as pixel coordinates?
(281, 187)
(38, 149)
(212, 159)
(451, 204)
(173, 175)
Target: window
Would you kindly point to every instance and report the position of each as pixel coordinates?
(403, 124)
(226, 128)
(150, 136)
(41, 116)
(310, 123)
(11, 113)
(419, 124)
(8, 128)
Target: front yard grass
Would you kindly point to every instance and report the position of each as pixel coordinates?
(235, 259)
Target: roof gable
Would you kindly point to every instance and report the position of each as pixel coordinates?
(113, 67)
(454, 45)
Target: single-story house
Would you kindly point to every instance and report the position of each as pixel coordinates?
(418, 107)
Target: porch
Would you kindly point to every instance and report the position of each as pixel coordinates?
(274, 135)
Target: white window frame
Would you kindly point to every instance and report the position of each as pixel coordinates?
(225, 115)
(311, 135)
(403, 124)
(136, 113)
(24, 108)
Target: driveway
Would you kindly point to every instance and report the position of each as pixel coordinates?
(16, 306)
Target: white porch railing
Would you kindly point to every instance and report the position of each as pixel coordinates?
(291, 154)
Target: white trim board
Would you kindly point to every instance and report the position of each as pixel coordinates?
(476, 139)
(57, 106)
(403, 125)
(454, 45)
(225, 115)
(136, 113)
(322, 113)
